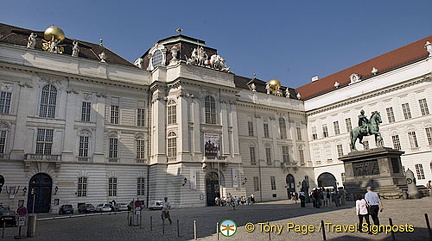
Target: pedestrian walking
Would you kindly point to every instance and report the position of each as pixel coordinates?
(165, 210)
(362, 212)
(302, 198)
(374, 203)
(429, 186)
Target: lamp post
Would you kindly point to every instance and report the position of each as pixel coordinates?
(33, 192)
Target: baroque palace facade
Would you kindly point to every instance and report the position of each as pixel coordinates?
(80, 124)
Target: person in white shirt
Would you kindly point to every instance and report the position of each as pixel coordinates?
(165, 210)
(362, 212)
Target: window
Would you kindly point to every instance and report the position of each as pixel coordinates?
(140, 150)
(140, 117)
(140, 186)
(336, 127)
(113, 150)
(348, 124)
(340, 150)
(252, 155)
(112, 186)
(268, 156)
(2, 143)
(210, 110)
(172, 112)
(115, 110)
(44, 141)
(273, 182)
(390, 114)
(157, 58)
(406, 111)
(429, 135)
(366, 145)
(285, 154)
(5, 100)
(85, 111)
(256, 184)
(250, 128)
(413, 139)
(314, 133)
(82, 187)
(325, 130)
(83, 148)
(396, 142)
(424, 107)
(172, 145)
(282, 127)
(266, 130)
(299, 134)
(301, 156)
(420, 172)
(48, 101)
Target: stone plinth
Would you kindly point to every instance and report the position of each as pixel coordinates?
(380, 168)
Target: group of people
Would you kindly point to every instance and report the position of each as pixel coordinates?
(235, 200)
(321, 197)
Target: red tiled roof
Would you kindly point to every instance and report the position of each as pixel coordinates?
(389, 61)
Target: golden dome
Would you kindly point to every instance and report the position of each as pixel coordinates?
(54, 31)
(274, 83)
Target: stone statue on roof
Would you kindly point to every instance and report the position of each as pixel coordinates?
(31, 42)
(75, 49)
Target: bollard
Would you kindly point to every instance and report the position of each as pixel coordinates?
(217, 229)
(163, 226)
(323, 230)
(195, 231)
(140, 220)
(31, 225)
(428, 226)
(392, 233)
(4, 225)
(178, 229)
(268, 223)
(151, 223)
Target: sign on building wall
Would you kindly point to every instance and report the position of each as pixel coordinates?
(192, 178)
(211, 144)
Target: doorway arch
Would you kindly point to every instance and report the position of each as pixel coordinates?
(326, 179)
(39, 197)
(212, 188)
(290, 182)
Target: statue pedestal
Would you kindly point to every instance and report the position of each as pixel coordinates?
(380, 168)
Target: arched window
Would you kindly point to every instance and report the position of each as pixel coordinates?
(172, 145)
(172, 112)
(48, 101)
(282, 127)
(210, 110)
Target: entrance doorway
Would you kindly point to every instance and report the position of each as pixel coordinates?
(290, 185)
(212, 188)
(326, 179)
(40, 188)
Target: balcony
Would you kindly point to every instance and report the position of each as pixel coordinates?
(43, 157)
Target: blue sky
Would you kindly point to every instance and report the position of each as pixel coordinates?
(277, 39)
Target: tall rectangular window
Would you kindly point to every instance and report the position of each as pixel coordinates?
(390, 115)
(285, 154)
(282, 128)
(420, 171)
(396, 142)
(172, 145)
(115, 114)
(250, 128)
(140, 186)
(5, 101)
(325, 130)
(83, 149)
(413, 139)
(2, 143)
(85, 111)
(112, 186)
(299, 134)
(423, 107)
(140, 153)
(113, 150)
(252, 155)
(140, 117)
(429, 136)
(340, 150)
(314, 133)
(301, 156)
(273, 182)
(82, 187)
(256, 184)
(348, 124)
(336, 127)
(266, 130)
(44, 141)
(172, 112)
(268, 156)
(406, 111)
(48, 101)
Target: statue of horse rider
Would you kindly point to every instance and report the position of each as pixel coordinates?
(363, 123)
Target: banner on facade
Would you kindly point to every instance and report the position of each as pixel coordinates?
(211, 144)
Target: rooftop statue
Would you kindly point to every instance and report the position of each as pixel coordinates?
(366, 128)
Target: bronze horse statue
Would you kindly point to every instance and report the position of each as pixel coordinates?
(372, 129)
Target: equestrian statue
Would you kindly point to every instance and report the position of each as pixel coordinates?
(366, 128)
